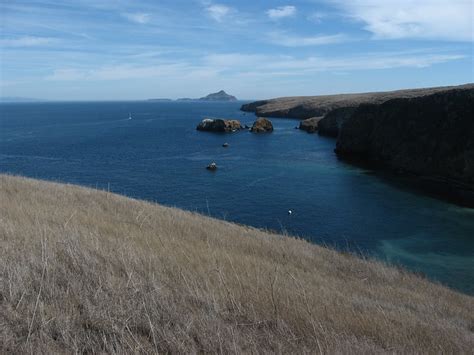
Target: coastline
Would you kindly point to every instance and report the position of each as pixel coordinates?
(371, 130)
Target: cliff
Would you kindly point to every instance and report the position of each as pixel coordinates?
(430, 136)
(332, 122)
(87, 271)
(427, 133)
(304, 107)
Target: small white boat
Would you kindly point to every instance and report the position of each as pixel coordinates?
(129, 115)
(212, 166)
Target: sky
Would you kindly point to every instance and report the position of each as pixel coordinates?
(140, 49)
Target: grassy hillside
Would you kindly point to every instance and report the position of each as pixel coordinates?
(88, 271)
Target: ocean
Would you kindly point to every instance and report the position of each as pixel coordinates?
(159, 156)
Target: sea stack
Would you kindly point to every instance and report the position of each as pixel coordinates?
(219, 125)
(262, 125)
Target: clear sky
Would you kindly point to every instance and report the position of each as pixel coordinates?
(138, 49)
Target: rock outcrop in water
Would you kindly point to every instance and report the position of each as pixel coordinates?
(310, 125)
(262, 125)
(219, 125)
(430, 136)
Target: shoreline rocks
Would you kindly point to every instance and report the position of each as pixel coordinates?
(310, 125)
(262, 125)
(219, 125)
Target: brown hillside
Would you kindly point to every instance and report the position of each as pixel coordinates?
(88, 271)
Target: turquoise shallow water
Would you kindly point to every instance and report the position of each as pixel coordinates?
(159, 156)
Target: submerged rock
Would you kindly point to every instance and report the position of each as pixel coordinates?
(262, 125)
(219, 125)
(310, 125)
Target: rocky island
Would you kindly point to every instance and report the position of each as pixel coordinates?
(218, 96)
(219, 125)
(262, 125)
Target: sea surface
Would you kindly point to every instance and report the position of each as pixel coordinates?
(158, 155)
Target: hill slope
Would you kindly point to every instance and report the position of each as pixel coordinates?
(88, 271)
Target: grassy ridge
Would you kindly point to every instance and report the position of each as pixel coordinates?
(302, 107)
(87, 271)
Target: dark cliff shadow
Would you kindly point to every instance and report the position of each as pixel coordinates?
(438, 188)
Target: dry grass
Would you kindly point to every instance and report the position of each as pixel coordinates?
(87, 271)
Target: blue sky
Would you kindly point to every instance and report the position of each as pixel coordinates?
(138, 49)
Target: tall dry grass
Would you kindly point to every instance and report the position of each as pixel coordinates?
(87, 271)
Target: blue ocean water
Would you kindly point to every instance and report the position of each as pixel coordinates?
(159, 156)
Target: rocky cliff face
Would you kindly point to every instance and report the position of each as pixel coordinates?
(430, 136)
(286, 107)
(336, 108)
(332, 122)
(252, 106)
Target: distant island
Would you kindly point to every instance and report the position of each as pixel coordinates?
(160, 100)
(216, 96)
(219, 96)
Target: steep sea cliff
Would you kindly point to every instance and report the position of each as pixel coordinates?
(431, 137)
(422, 133)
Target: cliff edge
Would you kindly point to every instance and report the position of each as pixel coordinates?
(334, 108)
(430, 136)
